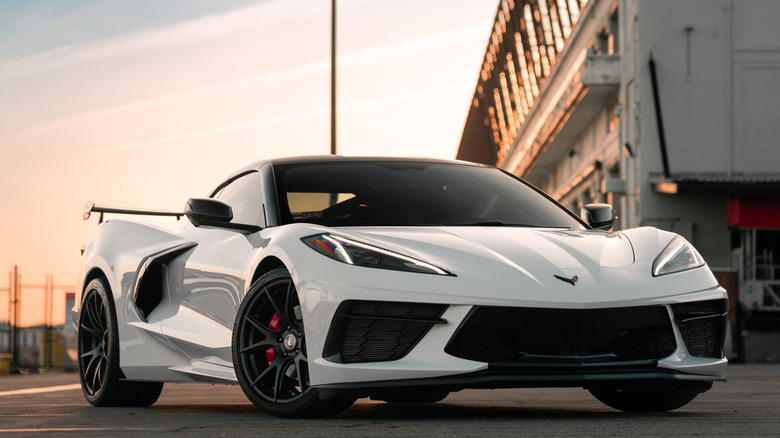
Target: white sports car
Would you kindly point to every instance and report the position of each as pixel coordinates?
(314, 281)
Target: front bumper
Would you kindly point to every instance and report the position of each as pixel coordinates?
(454, 347)
(325, 287)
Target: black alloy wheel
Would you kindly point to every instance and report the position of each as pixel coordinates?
(98, 355)
(269, 351)
(93, 342)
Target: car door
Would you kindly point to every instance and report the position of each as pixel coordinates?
(214, 277)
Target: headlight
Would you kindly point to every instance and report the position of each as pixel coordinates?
(362, 254)
(679, 255)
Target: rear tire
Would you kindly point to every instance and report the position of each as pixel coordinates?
(656, 398)
(98, 351)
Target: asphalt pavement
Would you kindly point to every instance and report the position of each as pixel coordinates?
(747, 405)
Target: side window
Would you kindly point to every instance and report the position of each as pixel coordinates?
(245, 197)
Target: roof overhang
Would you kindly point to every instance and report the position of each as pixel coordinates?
(702, 183)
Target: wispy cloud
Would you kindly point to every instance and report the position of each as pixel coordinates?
(250, 19)
(362, 105)
(373, 55)
(254, 19)
(424, 44)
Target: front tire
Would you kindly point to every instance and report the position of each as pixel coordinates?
(269, 352)
(98, 352)
(656, 398)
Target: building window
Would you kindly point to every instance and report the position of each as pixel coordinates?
(613, 118)
(607, 40)
(520, 99)
(510, 106)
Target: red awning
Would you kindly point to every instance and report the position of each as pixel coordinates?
(754, 213)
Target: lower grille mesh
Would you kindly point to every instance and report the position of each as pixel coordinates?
(702, 325)
(375, 331)
(517, 334)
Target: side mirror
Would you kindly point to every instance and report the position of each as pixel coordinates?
(207, 211)
(214, 213)
(599, 216)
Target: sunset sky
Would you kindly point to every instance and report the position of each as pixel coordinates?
(145, 103)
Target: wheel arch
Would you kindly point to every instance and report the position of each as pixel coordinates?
(93, 273)
(267, 265)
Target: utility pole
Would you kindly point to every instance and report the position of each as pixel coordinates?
(10, 308)
(15, 328)
(333, 78)
(47, 312)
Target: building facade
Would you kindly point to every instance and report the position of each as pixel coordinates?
(667, 109)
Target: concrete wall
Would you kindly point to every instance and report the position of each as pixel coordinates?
(692, 71)
(719, 87)
(755, 82)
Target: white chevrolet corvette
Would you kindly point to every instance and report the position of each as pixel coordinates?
(311, 282)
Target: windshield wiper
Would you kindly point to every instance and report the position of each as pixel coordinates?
(490, 224)
(502, 224)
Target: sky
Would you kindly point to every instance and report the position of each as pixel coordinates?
(145, 103)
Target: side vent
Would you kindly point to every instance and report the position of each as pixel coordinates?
(149, 293)
(152, 279)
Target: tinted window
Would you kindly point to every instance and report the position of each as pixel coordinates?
(245, 197)
(409, 193)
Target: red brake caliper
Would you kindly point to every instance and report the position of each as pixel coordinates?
(270, 352)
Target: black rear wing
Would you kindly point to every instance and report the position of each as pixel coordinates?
(90, 208)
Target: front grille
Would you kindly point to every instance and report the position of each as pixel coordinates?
(702, 325)
(375, 331)
(507, 335)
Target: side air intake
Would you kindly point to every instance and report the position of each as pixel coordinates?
(153, 278)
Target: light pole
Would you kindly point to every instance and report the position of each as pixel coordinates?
(15, 366)
(333, 78)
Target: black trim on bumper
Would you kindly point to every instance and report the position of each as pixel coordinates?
(524, 334)
(644, 373)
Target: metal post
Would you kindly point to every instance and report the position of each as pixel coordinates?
(45, 320)
(15, 337)
(10, 307)
(51, 320)
(333, 78)
(49, 297)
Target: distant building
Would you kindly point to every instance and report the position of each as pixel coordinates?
(667, 109)
(35, 354)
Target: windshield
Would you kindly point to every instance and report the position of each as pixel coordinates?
(412, 193)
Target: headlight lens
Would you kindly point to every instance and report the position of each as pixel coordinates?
(679, 255)
(362, 254)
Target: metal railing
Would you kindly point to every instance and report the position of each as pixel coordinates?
(43, 334)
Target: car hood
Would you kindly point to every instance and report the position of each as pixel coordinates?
(535, 266)
(524, 249)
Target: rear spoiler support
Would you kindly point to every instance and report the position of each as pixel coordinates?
(90, 208)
